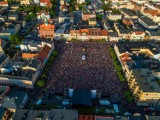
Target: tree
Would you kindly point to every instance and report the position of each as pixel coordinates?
(106, 7)
(71, 9)
(99, 17)
(116, 11)
(10, 1)
(15, 39)
(40, 83)
(88, 2)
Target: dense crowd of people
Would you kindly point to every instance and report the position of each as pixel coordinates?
(96, 72)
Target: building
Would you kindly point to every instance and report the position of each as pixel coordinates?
(123, 33)
(46, 30)
(113, 36)
(13, 17)
(6, 33)
(147, 23)
(3, 18)
(114, 17)
(92, 22)
(144, 87)
(15, 100)
(81, 1)
(93, 117)
(20, 74)
(5, 114)
(86, 16)
(24, 69)
(3, 3)
(140, 71)
(54, 114)
(154, 35)
(14, 7)
(43, 15)
(44, 54)
(59, 34)
(3, 57)
(36, 1)
(128, 13)
(63, 16)
(4, 91)
(25, 2)
(45, 3)
(86, 34)
(137, 35)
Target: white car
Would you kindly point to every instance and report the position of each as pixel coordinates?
(83, 57)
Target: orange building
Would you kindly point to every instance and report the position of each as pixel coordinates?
(46, 30)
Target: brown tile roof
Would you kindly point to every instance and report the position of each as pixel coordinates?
(47, 48)
(3, 2)
(29, 55)
(152, 12)
(104, 33)
(125, 58)
(44, 53)
(127, 22)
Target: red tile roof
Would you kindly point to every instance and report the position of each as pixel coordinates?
(48, 2)
(138, 33)
(86, 117)
(104, 33)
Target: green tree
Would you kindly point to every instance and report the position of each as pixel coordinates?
(15, 39)
(71, 9)
(106, 7)
(116, 11)
(99, 17)
(40, 83)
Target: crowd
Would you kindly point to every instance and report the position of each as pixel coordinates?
(96, 72)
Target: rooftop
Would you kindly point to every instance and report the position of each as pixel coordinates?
(124, 47)
(128, 12)
(154, 33)
(148, 21)
(82, 97)
(146, 80)
(55, 114)
(13, 99)
(3, 90)
(2, 112)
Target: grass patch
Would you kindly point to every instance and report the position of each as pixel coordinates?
(117, 65)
